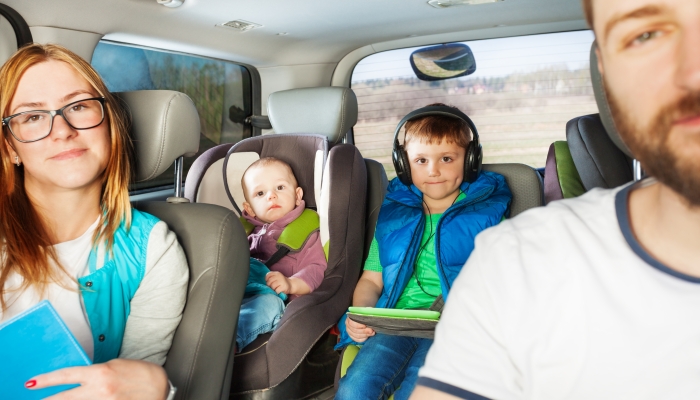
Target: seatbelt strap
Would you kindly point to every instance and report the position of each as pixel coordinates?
(438, 304)
(281, 252)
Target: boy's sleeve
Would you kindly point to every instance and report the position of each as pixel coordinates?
(313, 260)
(372, 263)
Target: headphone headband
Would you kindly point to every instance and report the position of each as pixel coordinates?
(472, 158)
(436, 110)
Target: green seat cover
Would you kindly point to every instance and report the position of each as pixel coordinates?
(294, 235)
(569, 179)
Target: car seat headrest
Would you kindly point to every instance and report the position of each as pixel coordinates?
(603, 105)
(164, 127)
(327, 111)
(598, 161)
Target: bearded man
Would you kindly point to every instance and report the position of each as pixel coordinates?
(596, 297)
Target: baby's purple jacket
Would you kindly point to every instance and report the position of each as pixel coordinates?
(308, 264)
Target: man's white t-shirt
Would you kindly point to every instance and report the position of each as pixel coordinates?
(562, 302)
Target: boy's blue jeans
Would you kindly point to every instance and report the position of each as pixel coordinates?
(385, 365)
(259, 314)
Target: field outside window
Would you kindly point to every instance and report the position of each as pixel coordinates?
(522, 94)
(216, 87)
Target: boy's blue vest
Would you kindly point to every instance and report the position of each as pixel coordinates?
(107, 292)
(400, 229)
(402, 221)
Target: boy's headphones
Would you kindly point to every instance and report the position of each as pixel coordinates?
(472, 159)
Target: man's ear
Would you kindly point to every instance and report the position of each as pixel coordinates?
(247, 208)
(600, 61)
(300, 194)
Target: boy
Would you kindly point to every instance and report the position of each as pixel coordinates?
(403, 272)
(273, 201)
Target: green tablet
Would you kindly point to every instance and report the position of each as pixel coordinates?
(395, 313)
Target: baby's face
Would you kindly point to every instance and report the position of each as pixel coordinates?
(271, 192)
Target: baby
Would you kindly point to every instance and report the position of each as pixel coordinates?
(273, 201)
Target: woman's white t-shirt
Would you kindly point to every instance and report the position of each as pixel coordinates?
(156, 308)
(66, 299)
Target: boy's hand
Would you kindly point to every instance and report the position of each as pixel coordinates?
(278, 282)
(357, 331)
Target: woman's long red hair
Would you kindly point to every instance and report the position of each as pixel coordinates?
(27, 243)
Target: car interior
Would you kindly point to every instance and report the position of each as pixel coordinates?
(212, 86)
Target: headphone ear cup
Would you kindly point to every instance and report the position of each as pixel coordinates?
(472, 162)
(401, 166)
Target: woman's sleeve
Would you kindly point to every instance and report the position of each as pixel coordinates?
(156, 308)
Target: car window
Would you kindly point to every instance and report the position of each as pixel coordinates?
(520, 97)
(219, 89)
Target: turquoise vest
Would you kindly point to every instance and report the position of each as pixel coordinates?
(107, 292)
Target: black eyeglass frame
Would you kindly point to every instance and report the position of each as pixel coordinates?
(54, 113)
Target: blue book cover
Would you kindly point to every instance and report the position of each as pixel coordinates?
(35, 342)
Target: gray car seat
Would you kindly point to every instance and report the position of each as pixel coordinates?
(297, 359)
(165, 127)
(593, 145)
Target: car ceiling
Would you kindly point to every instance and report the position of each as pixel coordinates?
(318, 31)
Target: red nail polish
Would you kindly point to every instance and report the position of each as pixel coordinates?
(30, 383)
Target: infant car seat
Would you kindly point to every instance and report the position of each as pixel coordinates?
(297, 359)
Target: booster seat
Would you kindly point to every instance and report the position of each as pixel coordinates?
(297, 359)
(593, 154)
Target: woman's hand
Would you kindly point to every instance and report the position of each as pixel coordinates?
(357, 331)
(116, 379)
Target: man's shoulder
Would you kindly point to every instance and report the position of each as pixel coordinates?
(571, 217)
(545, 252)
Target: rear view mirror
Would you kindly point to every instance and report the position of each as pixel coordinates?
(444, 61)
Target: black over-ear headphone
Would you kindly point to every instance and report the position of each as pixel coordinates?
(472, 159)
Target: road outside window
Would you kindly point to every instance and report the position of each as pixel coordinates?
(522, 94)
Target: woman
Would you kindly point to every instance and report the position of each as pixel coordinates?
(117, 276)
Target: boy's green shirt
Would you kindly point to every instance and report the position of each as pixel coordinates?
(425, 268)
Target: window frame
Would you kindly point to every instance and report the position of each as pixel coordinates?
(256, 103)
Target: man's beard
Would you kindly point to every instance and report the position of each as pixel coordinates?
(662, 155)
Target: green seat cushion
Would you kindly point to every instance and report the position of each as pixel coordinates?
(569, 179)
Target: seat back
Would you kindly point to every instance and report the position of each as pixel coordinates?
(599, 162)
(164, 127)
(525, 184)
(377, 183)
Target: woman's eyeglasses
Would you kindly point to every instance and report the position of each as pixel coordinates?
(30, 126)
